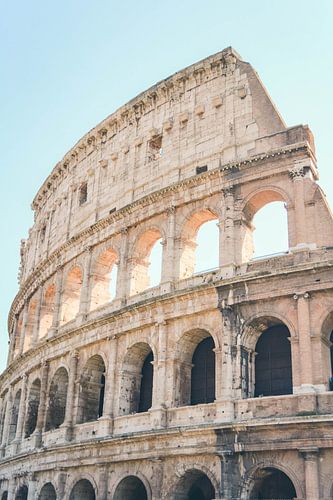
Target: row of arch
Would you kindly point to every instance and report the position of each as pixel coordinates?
(147, 263)
(269, 483)
(195, 380)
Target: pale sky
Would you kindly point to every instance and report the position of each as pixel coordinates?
(66, 65)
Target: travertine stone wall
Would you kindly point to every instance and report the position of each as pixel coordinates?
(96, 398)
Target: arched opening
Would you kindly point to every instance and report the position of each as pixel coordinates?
(47, 309)
(14, 416)
(4, 495)
(92, 388)
(194, 485)
(207, 250)
(22, 493)
(71, 295)
(273, 369)
(32, 409)
(30, 324)
(199, 244)
(131, 488)
(83, 490)
(272, 483)
(57, 400)
(47, 492)
(137, 380)
(203, 373)
(195, 369)
(144, 257)
(265, 210)
(104, 277)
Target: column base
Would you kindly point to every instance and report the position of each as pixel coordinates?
(38, 439)
(68, 431)
(307, 404)
(158, 417)
(105, 425)
(225, 410)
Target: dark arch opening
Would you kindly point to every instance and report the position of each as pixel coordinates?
(130, 488)
(83, 490)
(32, 410)
(203, 373)
(273, 484)
(47, 492)
(92, 387)
(146, 388)
(57, 400)
(22, 493)
(273, 370)
(4, 495)
(194, 485)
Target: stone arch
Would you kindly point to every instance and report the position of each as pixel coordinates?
(22, 492)
(187, 241)
(253, 203)
(32, 408)
(132, 487)
(101, 276)
(196, 483)
(57, 398)
(140, 259)
(252, 364)
(83, 490)
(185, 350)
(47, 310)
(136, 379)
(249, 488)
(47, 492)
(92, 389)
(71, 294)
(14, 416)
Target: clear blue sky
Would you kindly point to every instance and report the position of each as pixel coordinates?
(66, 65)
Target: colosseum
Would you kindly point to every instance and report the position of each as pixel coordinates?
(207, 385)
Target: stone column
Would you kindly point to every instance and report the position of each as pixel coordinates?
(85, 292)
(24, 326)
(305, 348)
(299, 231)
(227, 230)
(160, 378)
(61, 484)
(22, 408)
(123, 276)
(168, 264)
(11, 488)
(110, 387)
(42, 404)
(57, 302)
(35, 330)
(32, 486)
(13, 339)
(312, 488)
(69, 413)
(103, 482)
(8, 415)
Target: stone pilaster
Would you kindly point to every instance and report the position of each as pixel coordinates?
(85, 292)
(22, 408)
(168, 264)
(24, 326)
(35, 330)
(311, 473)
(305, 347)
(110, 387)
(57, 301)
(297, 174)
(42, 404)
(69, 413)
(8, 415)
(123, 278)
(227, 231)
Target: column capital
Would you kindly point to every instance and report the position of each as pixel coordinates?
(228, 191)
(298, 172)
(303, 295)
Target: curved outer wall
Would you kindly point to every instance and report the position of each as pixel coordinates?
(204, 144)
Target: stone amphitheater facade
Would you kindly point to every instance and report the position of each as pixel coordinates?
(208, 385)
